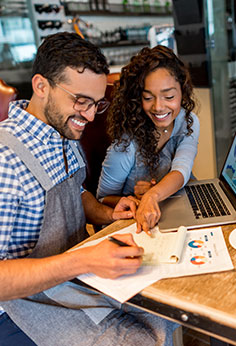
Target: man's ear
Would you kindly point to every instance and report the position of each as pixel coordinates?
(40, 85)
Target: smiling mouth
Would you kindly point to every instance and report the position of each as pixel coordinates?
(78, 123)
(161, 116)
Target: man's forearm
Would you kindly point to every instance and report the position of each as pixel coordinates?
(96, 212)
(23, 277)
(111, 201)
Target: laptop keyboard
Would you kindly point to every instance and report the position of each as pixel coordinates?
(206, 201)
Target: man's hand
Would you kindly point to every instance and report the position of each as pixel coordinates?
(148, 213)
(125, 208)
(109, 260)
(142, 187)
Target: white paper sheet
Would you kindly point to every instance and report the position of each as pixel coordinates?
(161, 248)
(204, 251)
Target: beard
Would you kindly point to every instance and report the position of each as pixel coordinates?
(57, 120)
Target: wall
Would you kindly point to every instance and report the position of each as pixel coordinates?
(205, 162)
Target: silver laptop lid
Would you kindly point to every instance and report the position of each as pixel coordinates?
(228, 173)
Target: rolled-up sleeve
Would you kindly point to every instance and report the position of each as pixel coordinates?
(115, 170)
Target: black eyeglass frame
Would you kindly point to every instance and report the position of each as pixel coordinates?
(84, 107)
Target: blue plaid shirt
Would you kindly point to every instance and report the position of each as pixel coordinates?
(22, 198)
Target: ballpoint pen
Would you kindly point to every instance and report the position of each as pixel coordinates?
(118, 242)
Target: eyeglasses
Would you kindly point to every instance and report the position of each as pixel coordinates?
(83, 103)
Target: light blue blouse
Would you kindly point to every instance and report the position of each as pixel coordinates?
(121, 170)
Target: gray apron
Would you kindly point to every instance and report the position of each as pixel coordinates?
(63, 227)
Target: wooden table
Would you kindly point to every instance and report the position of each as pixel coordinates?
(204, 302)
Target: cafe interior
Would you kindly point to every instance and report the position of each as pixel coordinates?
(201, 32)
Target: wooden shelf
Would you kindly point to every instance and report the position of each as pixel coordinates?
(77, 8)
(117, 14)
(124, 44)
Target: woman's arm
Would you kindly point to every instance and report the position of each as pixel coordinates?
(115, 170)
(148, 212)
(186, 152)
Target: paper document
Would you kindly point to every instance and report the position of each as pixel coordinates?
(161, 247)
(203, 251)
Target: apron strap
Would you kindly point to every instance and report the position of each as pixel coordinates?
(26, 156)
(78, 152)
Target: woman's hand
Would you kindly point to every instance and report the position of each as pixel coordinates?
(148, 213)
(142, 187)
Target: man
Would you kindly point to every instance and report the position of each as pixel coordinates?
(44, 210)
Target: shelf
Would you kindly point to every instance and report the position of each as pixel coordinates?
(86, 9)
(124, 44)
(117, 14)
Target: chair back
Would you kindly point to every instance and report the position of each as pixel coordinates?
(7, 94)
(95, 142)
(112, 77)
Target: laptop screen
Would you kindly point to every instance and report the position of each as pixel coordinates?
(229, 169)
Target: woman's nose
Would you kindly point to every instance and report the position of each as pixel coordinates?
(158, 104)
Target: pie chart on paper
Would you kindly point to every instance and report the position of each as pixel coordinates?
(196, 243)
(197, 260)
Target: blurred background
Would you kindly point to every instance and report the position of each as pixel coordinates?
(201, 32)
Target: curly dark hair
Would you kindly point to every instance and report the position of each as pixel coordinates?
(67, 49)
(126, 119)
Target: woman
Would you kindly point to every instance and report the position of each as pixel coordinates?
(154, 133)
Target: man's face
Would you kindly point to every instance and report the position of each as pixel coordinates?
(59, 111)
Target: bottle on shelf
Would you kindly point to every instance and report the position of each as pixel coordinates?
(136, 5)
(146, 6)
(168, 6)
(125, 4)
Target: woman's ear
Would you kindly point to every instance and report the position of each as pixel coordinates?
(40, 85)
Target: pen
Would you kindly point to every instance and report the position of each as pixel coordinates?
(118, 242)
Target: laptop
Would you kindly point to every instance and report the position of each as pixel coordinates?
(203, 203)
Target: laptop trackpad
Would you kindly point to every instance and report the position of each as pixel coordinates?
(174, 212)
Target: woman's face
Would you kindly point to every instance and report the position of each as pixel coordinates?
(161, 98)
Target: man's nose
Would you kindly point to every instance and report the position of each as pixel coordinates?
(90, 113)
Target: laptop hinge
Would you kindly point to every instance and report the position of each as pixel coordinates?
(228, 192)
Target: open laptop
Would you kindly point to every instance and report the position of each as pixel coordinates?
(203, 202)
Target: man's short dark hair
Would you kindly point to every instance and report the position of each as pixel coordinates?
(67, 49)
